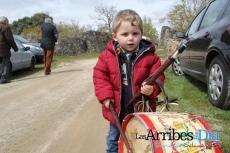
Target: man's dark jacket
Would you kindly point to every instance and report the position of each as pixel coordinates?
(6, 41)
(49, 35)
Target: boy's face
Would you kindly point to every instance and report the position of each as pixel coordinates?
(128, 36)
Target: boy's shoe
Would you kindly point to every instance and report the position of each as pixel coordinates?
(7, 81)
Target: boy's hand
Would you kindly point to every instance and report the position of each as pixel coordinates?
(107, 102)
(146, 89)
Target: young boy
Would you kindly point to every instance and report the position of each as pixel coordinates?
(121, 69)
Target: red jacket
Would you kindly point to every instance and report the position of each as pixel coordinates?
(107, 77)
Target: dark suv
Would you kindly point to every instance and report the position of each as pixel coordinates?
(207, 56)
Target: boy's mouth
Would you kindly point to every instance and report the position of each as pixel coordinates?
(130, 45)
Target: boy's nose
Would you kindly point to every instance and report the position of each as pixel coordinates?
(130, 37)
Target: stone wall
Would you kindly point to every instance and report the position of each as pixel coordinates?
(172, 44)
(94, 41)
(90, 41)
(165, 35)
(167, 39)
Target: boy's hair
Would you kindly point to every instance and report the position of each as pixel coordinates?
(127, 15)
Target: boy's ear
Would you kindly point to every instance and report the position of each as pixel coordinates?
(114, 36)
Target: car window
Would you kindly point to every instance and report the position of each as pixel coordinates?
(212, 13)
(21, 39)
(20, 46)
(195, 24)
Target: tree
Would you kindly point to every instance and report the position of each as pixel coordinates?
(149, 30)
(182, 14)
(32, 33)
(39, 18)
(18, 26)
(26, 22)
(104, 17)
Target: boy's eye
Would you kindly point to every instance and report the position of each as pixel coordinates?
(125, 34)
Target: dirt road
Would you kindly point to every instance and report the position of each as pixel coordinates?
(52, 114)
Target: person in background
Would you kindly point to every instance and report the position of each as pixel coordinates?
(48, 41)
(121, 70)
(6, 42)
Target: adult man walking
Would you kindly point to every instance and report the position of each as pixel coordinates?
(6, 42)
(48, 40)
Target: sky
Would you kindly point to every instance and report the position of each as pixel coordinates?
(81, 10)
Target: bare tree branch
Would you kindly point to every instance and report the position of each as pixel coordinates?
(104, 17)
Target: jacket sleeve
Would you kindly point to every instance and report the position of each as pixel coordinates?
(10, 39)
(102, 86)
(55, 34)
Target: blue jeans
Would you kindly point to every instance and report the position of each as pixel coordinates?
(112, 139)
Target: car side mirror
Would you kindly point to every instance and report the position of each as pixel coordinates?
(27, 48)
(180, 35)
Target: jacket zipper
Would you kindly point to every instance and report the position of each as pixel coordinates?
(119, 80)
(138, 56)
(132, 65)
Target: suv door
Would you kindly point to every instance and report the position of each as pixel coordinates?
(203, 37)
(185, 58)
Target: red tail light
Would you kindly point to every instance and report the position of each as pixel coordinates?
(228, 28)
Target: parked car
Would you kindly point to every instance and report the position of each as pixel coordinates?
(207, 56)
(34, 47)
(22, 59)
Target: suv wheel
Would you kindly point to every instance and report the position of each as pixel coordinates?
(176, 68)
(218, 84)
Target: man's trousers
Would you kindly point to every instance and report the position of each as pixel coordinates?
(5, 69)
(48, 57)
